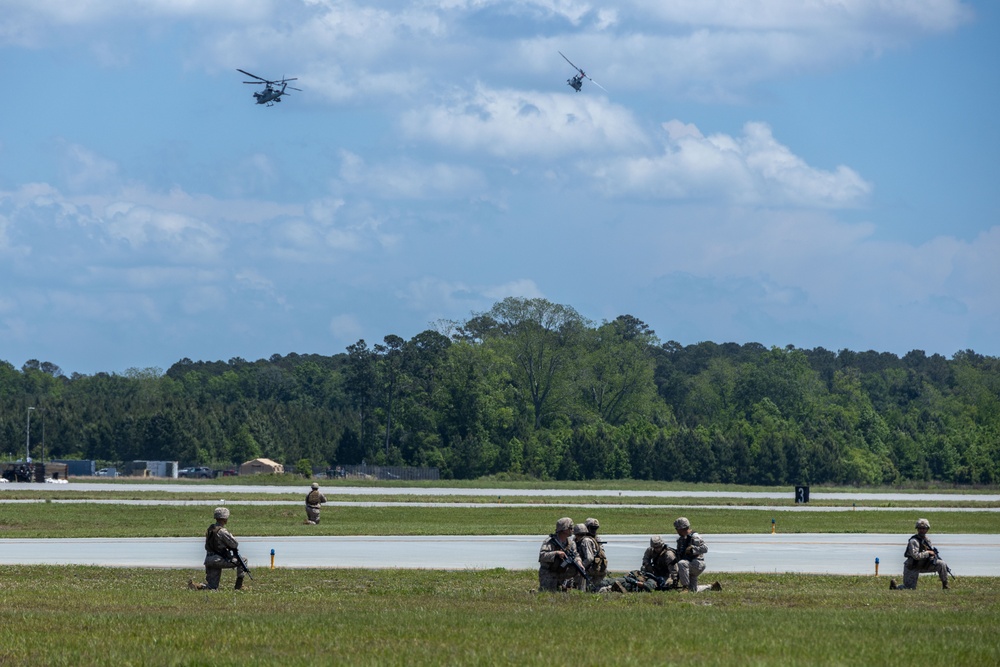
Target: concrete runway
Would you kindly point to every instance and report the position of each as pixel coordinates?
(223, 489)
(596, 507)
(971, 555)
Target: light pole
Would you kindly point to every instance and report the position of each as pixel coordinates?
(27, 438)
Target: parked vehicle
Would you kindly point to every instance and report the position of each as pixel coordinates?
(198, 472)
(107, 472)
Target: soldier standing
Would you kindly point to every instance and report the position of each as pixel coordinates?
(313, 500)
(220, 554)
(921, 557)
(554, 572)
(691, 550)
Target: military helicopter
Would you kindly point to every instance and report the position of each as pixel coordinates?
(270, 94)
(576, 83)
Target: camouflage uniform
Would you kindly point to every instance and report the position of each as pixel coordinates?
(592, 555)
(920, 557)
(313, 500)
(220, 546)
(552, 576)
(631, 582)
(661, 560)
(691, 550)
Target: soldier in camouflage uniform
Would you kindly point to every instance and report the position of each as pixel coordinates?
(220, 548)
(661, 560)
(552, 574)
(921, 557)
(691, 550)
(313, 500)
(592, 555)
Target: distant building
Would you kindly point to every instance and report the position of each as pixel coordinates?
(78, 467)
(152, 469)
(261, 467)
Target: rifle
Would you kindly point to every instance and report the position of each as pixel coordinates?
(569, 560)
(937, 557)
(241, 563)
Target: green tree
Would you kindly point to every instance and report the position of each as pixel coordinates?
(541, 341)
(616, 378)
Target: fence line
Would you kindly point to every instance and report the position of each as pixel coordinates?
(383, 472)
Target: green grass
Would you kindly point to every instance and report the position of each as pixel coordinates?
(194, 492)
(87, 615)
(34, 520)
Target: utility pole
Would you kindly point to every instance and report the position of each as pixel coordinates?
(27, 437)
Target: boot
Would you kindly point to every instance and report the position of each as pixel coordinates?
(944, 585)
(617, 587)
(892, 585)
(196, 587)
(239, 584)
(717, 586)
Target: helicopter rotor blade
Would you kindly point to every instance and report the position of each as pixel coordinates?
(571, 63)
(259, 78)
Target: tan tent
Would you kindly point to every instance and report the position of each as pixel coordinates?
(261, 466)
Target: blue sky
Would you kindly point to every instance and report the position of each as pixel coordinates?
(802, 172)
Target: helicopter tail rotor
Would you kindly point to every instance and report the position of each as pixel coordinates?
(598, 85)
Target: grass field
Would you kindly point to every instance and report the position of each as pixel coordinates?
(86, 615)
(74, 615)
(34, 520)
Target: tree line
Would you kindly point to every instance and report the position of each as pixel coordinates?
(531, 388)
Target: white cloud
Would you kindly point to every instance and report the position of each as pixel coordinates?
(97, 10)
(572, 11)
(345, 51)
(811, 15)
(408, 179)
(253, 280)
(440, 298)
(4, 236)
(190, 238)
(804, 277)
(435, 295)
(751, 169)
(511, 123)
(87, 170)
